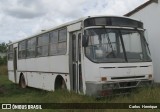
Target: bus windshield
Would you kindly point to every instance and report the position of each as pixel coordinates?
(116, 45)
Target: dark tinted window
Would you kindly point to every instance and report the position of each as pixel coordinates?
(43, 39)
(42, 46)
(58, 45)
(126, 22)
(31, 47)
(62, 35)
(112, 21)
(10, 52)
(100, 21)
(53, 43)
(42, 51)
(62, 48)
(53, 49)
(79, 45)
(22, 50)
(54, 36)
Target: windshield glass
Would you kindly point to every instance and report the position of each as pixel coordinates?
(115, 45)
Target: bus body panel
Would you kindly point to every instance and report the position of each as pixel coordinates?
(128, 71)
(58, 64)
(11, 76)
(43, 80)
(74, 27)
(116, 70)
(10, 65)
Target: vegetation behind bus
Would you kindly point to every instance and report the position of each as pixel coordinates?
(3, 60)
(12, 93)
(3, 49)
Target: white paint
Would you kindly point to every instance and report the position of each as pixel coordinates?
(74, 27)
(10, 65)
(100, 70)
(11, 76)
(45, 64)
(151, 19)
(15, 45)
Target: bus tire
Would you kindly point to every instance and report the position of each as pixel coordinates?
(60, 83)
(22, 82)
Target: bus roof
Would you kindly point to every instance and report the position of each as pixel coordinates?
(67, 24)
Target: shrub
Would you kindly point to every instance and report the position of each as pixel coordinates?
(3, 61)
(3, 70)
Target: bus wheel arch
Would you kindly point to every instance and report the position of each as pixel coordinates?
(60, 83)
(22, 81)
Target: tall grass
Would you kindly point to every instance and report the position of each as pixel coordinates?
(14, 94)
(3, 70)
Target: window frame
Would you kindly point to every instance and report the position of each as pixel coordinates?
(53, 43)
(10, 52)
(46, 44)
(25, 42)
(58, 42)
(35, 50)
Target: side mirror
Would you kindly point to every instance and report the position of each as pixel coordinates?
(85, 41)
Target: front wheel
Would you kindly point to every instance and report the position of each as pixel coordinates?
(22, 82)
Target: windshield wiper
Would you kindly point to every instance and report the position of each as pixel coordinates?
(123, 46)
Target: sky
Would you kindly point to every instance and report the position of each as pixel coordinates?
(22, 18)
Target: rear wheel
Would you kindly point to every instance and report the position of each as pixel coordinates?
(60, 83)
(22, 82)
(63, 86)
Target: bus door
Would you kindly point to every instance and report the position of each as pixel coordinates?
(15, 63)
(75, 60)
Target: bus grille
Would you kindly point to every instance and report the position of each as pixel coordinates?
(128, 84)
(128, 77)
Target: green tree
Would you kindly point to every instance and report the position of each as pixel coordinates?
(3, 49)
(1, 61)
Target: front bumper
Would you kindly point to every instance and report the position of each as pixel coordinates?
(109, 88)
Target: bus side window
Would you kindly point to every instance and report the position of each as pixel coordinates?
(10, 52)
(31, 47)
(22, 50)
(79, 42)
(62, 45)
(42, 46)
(53, 43)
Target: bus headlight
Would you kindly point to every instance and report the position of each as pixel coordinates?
(103, 78)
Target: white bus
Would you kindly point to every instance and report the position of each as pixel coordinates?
(94, 55)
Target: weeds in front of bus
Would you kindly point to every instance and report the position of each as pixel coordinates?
(3, 70)
(140, 95)
(12, 93)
